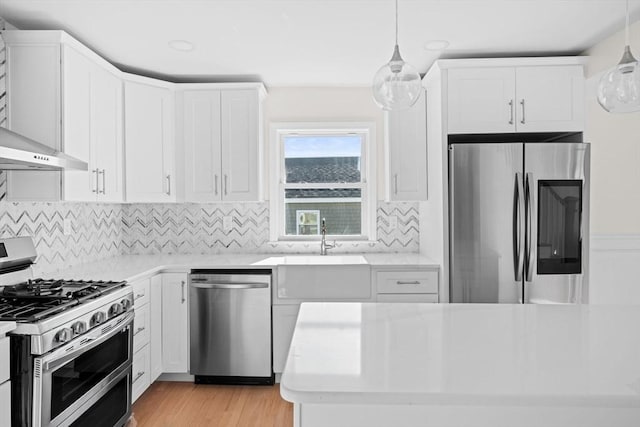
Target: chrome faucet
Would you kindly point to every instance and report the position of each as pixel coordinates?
(323, 243)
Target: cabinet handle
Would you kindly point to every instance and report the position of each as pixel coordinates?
(103, 173)
(226, 184)
(138, 375)
(395, 183)
(138, 331)
(215, 185)
(168, 185)
(522, 104)
(511, 112)
(95, 189)
(138, 296)
(182, 285)
(407, 282)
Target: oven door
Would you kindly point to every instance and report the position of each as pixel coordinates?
(71, 379)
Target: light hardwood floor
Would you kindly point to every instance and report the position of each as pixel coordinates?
(173, 404)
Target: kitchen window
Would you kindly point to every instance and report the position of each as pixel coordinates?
(323, 171)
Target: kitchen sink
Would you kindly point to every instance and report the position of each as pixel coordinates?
(323, 260)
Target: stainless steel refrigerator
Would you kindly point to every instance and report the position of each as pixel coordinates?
(518, 222)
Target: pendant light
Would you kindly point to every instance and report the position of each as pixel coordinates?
(619, 88)
(396, 85)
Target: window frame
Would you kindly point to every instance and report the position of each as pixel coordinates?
(368, 183)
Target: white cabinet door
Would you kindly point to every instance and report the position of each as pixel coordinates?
(202, 145)
(240, 145)
(106, 134)
(284, 322)
(407, 153)
(77, 114)
(155, 317)
(33, 101)
(481, 100)
(149, 143)
(175, 323)
(550, 99)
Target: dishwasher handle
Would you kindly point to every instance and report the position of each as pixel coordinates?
(202, 284)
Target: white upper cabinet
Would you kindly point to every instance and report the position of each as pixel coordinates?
(537, 98)
(62, 94)
(481, 100)
(550, 99)
(407, 153)
(202, 145)
(240, 145)
(149, 141)
(33, 108)
(92, 114)
(221, 131)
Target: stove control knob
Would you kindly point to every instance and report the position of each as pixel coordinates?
(63, 335)
(97, 318)
(115, 309)
(126, 304)
(79, 328)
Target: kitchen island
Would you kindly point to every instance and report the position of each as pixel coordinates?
(379, 364)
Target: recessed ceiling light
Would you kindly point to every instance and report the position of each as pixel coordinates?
(436, 45)
(181, 45)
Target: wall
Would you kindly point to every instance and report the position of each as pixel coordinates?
(615, 177)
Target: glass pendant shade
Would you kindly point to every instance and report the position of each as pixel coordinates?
(619, 88)
(396, 85)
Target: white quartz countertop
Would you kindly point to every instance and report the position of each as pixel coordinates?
(6, 327)
(132, 267)
(474, 354)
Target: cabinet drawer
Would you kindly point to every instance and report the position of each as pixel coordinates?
(141, 328)
(140, 373)
(4, 359)
(141, 292)
(407, 282)
(408, 298)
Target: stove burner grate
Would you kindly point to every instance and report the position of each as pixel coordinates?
(37, 299)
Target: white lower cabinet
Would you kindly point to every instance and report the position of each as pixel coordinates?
(175, 323)
(284, 322)
(141, 328)
(400, 285)
(141, 377)
(155, 320)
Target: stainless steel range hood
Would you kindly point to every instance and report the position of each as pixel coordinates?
(18, 152)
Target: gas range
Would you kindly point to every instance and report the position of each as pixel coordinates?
(55, 311)
(71, 351)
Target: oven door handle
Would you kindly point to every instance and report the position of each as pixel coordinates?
(90, 340)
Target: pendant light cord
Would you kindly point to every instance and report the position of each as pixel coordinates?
(397, 20)
(626, 27)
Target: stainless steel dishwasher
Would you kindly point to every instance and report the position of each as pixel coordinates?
(230, 326)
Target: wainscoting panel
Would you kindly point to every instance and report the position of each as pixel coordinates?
(615, 263)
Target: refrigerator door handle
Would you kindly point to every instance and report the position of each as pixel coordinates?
(530, 231)
(519, 234)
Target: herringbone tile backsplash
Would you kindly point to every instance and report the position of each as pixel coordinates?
(97, 231)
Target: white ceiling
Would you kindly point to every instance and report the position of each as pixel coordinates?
(316, 42)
